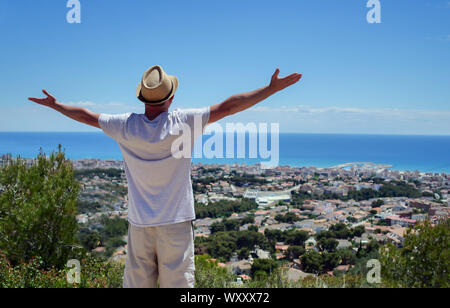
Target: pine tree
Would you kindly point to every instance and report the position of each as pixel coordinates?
(38, 209)
(424, 259)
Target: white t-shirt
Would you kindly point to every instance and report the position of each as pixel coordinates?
(159, 182)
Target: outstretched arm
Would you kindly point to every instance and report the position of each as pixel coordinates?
(78, 114)
(240, 102)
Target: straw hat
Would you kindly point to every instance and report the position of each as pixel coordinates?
(156, 86)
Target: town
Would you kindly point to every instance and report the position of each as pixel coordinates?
(249, 213)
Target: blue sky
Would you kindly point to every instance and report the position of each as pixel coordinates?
(388, 78)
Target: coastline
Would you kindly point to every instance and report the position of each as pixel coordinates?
(427, 154)
(107, 163)
(377, 168)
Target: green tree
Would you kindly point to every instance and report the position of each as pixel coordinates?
(253, 228)
(224, 208)
(328, 244)
(222, 245)
(287, 218)
(209, 275)
(297, 238)
(294, 252)
(358, 231)
(341, 231)
(113, 227)
(312, 262)
(347, 256)
(89, 240)
(377, 203)
(424, 260)
(249, 239)
(330, 261)
(243, 253)
(263, 265)
(37, 209)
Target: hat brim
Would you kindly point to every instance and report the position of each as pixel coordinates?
(174, 80)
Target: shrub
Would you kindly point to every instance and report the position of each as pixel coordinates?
(95, 273)
(209, 275)
(37, 210)
(424, 260)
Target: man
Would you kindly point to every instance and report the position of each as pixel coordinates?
(161, 203)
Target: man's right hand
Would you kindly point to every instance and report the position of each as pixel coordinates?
(241, 102)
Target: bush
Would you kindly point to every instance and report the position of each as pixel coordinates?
(223, 208)
(424, 260)
(37, 210)
(294, 252)
(95, 273)
(209, 275)
(312, 262)
(263, 265)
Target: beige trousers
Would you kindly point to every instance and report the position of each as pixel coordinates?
(164, 252)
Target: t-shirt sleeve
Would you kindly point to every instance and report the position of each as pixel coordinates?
(113, 124)
(197, 119)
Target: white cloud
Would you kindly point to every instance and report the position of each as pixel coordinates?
(81, 104)
(305, 119)
(349, 110)
(34, 117)
(443, 5)
(111, 107)
(334, 119)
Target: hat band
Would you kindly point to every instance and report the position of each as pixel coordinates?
(158, 102)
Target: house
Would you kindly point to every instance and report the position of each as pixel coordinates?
(396, 236)
(245, 277)
(343, 244)
(296, 275)
(201, 198)
(262, 254)
(424, 205)
(404, 222)
(99, 249)
(310, 243)
(281, 247)
(241, 267)
(342, 268)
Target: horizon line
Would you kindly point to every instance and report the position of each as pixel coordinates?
(287, 132)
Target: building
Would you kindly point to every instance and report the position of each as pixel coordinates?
(404, 222)
(241, 267)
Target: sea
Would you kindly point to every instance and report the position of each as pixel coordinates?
(402, 152)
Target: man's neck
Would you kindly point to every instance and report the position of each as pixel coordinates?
(152, 113)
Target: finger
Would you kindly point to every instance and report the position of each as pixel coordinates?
(295, 77)
(288, 78)
(277, 72)
(291, 76)
(296, 80)
(33, 99)
(293, 80)
(46, 93)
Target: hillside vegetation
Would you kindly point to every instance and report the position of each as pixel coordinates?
(38, 235)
